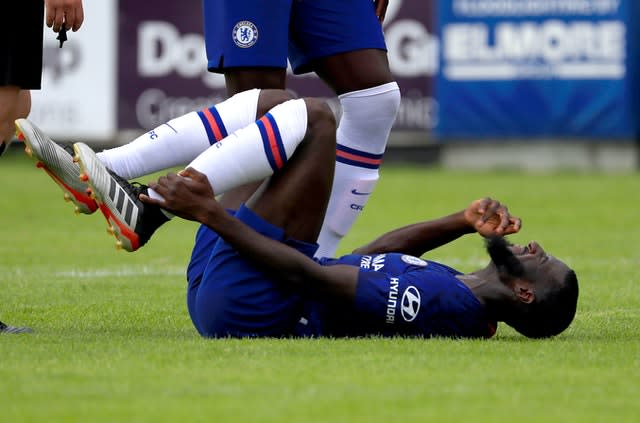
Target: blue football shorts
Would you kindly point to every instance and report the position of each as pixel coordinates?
(251, 33)
(229, 297)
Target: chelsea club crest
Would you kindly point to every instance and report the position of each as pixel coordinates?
(413, 260)
(245, 34)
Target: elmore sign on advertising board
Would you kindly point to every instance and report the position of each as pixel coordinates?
(537, 68)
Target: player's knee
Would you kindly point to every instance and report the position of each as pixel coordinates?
(6, 125)
(394, 100)
(12, 107)
(387, 102)
(321, 133)
(270, 98)
(23, 107)
(9, 101)
(320, 116)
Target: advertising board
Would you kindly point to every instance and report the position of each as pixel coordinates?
(534, 68)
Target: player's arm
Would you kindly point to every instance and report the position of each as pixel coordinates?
(486, 216)
(192, 198)
(284, 263)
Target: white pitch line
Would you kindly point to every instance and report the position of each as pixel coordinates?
(94, 273)
(147, 271)
(463, 264)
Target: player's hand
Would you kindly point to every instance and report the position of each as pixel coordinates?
(187, 194)
(490, 218)
(69, 13)
(381, 9)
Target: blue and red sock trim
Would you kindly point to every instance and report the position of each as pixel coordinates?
(272, 141)
(213, 124)
(353, 157)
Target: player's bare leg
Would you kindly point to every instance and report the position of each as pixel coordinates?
(242, 79)
(295, 198)
(14, 104)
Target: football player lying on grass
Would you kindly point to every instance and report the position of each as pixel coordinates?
(253, 272)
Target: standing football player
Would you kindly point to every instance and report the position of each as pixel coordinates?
(343, 43)
(21, 61)
(21, 53)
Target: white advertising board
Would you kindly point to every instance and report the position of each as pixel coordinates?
(77, 100)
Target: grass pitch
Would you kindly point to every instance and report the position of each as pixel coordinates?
(113, 341)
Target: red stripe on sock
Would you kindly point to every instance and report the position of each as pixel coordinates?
(273, 142)
(357, 158)
(213, 124)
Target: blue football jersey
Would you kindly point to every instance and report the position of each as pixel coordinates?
(396, 295)
(402, 295)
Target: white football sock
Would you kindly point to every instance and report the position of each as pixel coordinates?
(254, 152)
(182, 139)
(363, 132)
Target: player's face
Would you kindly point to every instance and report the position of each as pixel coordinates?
(540, 267)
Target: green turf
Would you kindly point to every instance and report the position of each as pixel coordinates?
(113, 341)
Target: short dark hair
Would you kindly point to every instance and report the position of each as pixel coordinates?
(551, 312)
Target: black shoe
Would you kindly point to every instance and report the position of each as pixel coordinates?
(4, 328)
(130, 220)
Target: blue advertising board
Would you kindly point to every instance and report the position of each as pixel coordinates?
(538, 68)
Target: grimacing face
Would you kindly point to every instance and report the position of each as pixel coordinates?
(543, 270)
